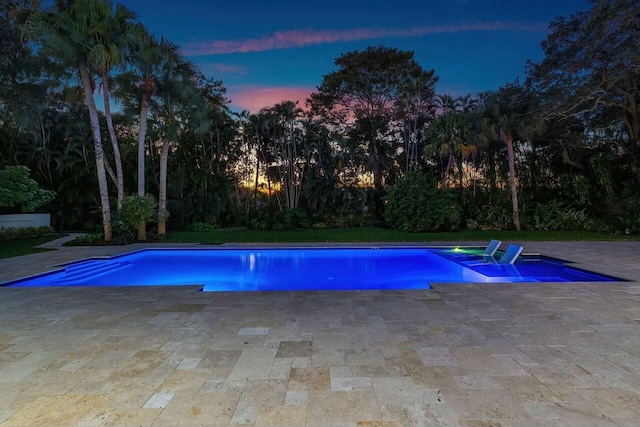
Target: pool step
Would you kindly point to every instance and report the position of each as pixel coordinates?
(92, 269)
(83, 266)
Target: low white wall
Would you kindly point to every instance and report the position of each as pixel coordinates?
(25, 220)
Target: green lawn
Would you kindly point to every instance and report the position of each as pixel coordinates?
(374, 234)
(25, 246)
(364, 234)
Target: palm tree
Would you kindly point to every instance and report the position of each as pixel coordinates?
(466, 103)
(138, 88)
(261, 122)
(417, 107)
(177, 96)
(65, 31)
(444, 103)
(504, 115)
(451, 135)
(111, 42)
(320, 179)
(287, 115)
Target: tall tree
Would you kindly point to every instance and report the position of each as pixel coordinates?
(205, 154)
(65, 32)
(451, 137)
(365, 94)
(417, 108)
(111, 42)
(445, 103)
(504, 118)
(23, 73)
(288, 138)
(30, 85)
(319, 190)
(137, 90)
(178, 105)
(260, 126)
(591, 69)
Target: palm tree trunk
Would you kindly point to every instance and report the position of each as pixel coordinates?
(110, 171)
(414, 141)
(491, 162)
(255, 187)
(142, 134)
(113, 138)
(291, 156)
(447, 171)
(460, 165)
(162, 196)
(407, 146)
(284, 171)
(99, 152)
(269, 187)
(376, 168)
(512, 179)
(218, 150)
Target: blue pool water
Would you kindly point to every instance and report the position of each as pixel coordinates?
(304, 269)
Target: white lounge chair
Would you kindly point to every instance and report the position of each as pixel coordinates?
(492, 247)
(511, 254)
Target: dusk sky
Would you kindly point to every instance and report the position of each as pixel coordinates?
(269, 51)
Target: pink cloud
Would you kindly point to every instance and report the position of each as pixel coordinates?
(256, 98)
(300, 38)
(223, 68)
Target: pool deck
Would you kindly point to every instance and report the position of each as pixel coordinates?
(520, 355)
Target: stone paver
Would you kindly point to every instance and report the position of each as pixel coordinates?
(543, 354)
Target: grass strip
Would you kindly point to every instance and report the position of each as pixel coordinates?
(20, 247)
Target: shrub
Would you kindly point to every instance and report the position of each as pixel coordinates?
(92, 228)
(628, 215)
(17, 190)
(15, 233)
(491, 216)
(258, 224)
(86, 239)
(294, 218)
(555, 215)
(135, 209)
(414, 203)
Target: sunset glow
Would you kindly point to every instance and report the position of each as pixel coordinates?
(255, 98)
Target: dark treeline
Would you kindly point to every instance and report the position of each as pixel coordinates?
(374, 144)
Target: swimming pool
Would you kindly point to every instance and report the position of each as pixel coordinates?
(298, 269)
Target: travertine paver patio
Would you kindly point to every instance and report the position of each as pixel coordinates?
(522, 355)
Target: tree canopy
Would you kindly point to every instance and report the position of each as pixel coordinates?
(375, 144)
(591, 70)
